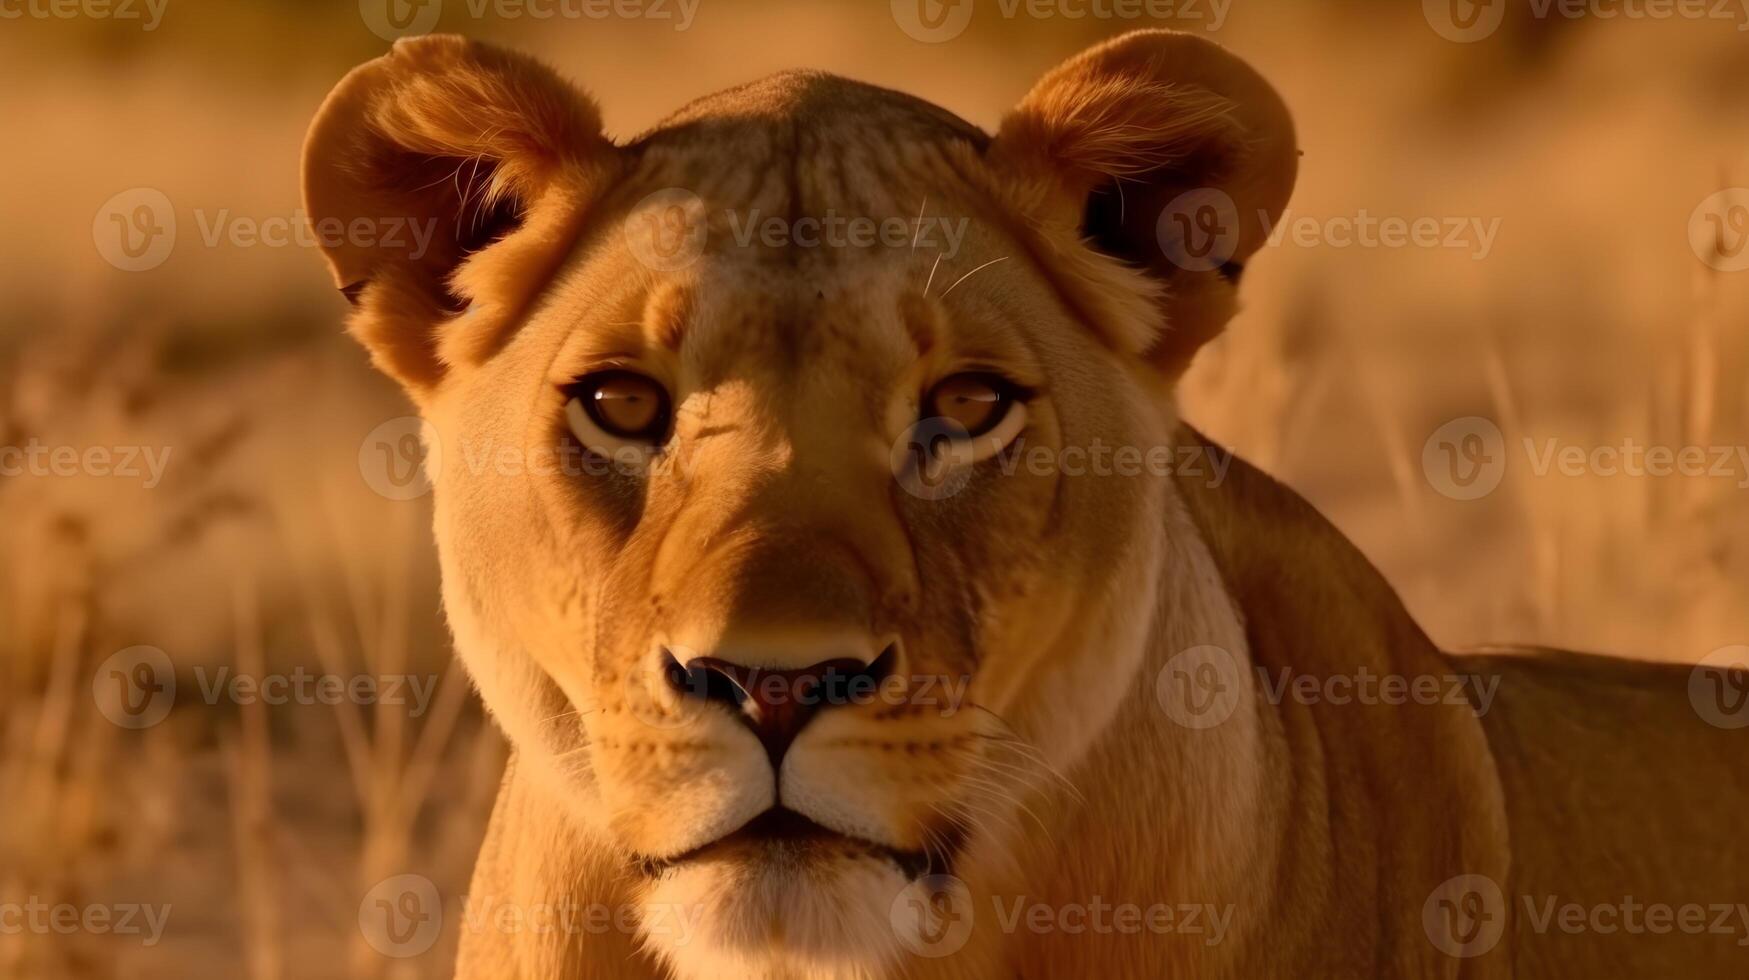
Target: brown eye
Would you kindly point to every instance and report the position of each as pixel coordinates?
(614, 408)
(975, 402)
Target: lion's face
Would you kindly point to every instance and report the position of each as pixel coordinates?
(770, 498)
(781, 515)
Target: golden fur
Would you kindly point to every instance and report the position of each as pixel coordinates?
(773, 522)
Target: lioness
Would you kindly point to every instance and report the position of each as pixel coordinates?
(762, 449)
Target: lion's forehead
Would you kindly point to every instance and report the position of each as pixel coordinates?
(807, 145)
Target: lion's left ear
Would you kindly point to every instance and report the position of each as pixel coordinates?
(445, 182)
(1167, 153)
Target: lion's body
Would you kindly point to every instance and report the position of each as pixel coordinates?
(1331, 836)
(1622, 800)
(1095, 756)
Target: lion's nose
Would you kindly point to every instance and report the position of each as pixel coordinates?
(775, 703)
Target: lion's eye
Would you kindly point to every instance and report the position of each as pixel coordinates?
(976, 403)
(616, 409)
(967, 418)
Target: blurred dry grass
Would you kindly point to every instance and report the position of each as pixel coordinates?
(1590, 320)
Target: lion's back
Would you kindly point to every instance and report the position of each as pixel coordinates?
(1624, 799)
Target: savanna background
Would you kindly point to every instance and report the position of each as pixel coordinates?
(1604, 308)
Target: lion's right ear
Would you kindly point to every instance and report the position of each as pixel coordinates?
(1169, 158)
(445, 182)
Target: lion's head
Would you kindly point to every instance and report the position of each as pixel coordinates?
(766, 444)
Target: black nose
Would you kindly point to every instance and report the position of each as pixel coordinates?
(778, 704)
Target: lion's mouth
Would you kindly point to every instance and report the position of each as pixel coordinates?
(781, 835)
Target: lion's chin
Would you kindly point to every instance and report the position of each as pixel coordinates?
(759, 907)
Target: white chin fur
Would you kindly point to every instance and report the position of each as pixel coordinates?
(828, 920)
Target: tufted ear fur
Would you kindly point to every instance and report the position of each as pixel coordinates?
(1163, 151)
(444, 182)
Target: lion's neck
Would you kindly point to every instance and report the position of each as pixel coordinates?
(1177, 804)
